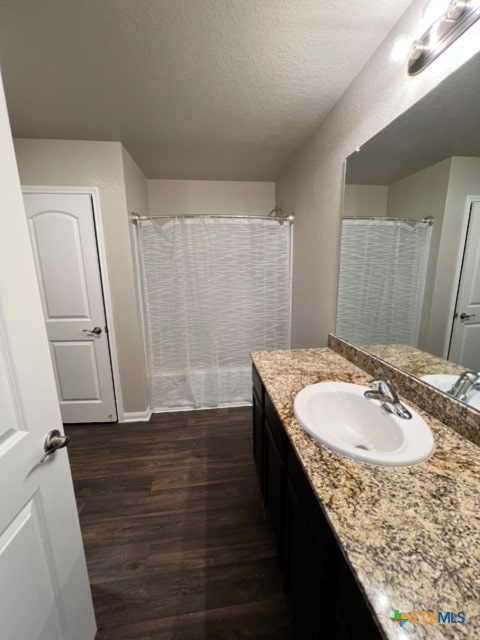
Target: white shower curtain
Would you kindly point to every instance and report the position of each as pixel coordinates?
(214, 290)
(382, 280)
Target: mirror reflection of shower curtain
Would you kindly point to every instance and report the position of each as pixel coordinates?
(382, 280)
(214, 291)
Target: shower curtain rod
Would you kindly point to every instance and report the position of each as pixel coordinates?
(136, 217)
(428, 219)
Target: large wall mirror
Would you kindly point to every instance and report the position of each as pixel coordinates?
(409, 288)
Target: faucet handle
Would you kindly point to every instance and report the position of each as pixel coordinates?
(385, 388)
(379, 382)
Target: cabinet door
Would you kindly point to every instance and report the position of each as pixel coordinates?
(274, 489)
(341, 632)
(352, 608)
(258, 439)
(306, 584)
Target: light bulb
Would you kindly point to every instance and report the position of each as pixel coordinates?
(401, 48)
(456, 8)
(433, 11)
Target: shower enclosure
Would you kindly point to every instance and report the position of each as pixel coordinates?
(215, 289)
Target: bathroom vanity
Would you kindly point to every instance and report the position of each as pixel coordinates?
(323, 597)
(356, 542)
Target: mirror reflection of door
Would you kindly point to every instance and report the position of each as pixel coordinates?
(465, 339)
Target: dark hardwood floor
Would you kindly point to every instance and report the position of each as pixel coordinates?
(176, 541)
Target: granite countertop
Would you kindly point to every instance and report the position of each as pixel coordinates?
(414, 361)
(411, 534)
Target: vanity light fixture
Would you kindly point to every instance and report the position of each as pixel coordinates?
(457, 17)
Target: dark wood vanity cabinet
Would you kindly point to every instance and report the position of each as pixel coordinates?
(305, 579)
(323, 597)
(269, 447)
(274, 472)
(258, 437)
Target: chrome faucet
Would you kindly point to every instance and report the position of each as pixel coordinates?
(465, 383)
(388, 397)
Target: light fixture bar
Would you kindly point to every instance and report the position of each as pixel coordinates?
(459, 17)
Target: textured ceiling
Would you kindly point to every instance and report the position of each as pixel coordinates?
(201, 89)
(443, 124)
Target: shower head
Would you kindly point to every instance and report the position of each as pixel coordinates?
(273, 212)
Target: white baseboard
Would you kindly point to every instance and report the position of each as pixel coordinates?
(137, 416)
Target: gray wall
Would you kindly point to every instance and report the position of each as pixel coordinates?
(210, 196)
(312, 182)
(365, 200)
(136, 194)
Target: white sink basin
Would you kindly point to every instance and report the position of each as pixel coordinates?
(445, 382)
(337, 415)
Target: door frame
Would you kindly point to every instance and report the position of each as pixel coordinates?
(470, 200)
(94, 192)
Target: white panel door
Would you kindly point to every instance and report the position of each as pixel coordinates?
(44, 590)
(465, 344)
(64, 243)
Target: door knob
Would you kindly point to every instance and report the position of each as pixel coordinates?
(53, 442)
(465, 316)
(96, 330)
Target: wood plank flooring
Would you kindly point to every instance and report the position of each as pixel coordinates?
(176, 541)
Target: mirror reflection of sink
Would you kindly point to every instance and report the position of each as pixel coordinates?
(340, 417)
(440, 381)
(445, 382)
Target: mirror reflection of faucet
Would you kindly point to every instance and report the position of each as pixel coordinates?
(467, 383)
(465, 387)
